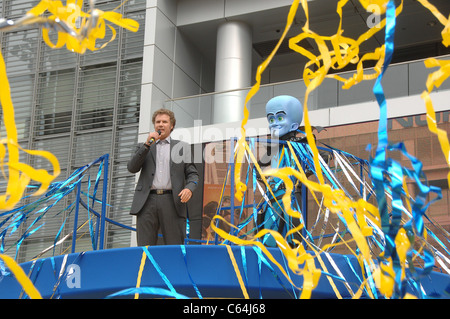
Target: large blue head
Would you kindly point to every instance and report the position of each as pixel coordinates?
(284, 114)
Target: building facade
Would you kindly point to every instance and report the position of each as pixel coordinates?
(79, 107)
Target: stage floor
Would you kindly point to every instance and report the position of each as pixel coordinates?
(193, 271)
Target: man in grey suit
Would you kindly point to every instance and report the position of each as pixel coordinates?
(168, 177)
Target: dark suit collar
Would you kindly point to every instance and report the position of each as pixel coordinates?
(153, 151)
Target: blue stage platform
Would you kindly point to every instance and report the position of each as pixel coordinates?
(208, 268)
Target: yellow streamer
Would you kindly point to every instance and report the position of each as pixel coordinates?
(289, 253)
(92, 28)
(402, 246)
(384, 277)
(435, 79)
(238, 273)
(295, 256)
(241, 187)
(88, 33)
(344, 51)
(21, 277)
(19, 174)
(381, 4)
(141, 270)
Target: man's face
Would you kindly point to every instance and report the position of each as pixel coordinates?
(162, 124)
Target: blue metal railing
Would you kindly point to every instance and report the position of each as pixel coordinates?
(31, 217)
(100, 228)
(16, 218)
(304, 191)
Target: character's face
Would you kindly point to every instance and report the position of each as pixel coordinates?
(279, 124)
(284, 114)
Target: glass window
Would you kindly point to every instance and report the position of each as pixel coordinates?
(79, 107)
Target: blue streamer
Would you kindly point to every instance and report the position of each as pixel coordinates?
(254, 182)
(387, 175)
(91, 224)
(287, 270)
(39, 208)
(158, 269)
(271, 269)
(370, 279)
(354, 271)
(259, 276)
(244, 265)
(378, 164)
(183, 250)
(147, 291)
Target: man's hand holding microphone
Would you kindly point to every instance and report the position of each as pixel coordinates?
(152, 137)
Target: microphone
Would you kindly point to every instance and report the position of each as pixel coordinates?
(152, 140)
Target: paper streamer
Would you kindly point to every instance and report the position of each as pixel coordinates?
(237, 271)
(21, 277)
(152, 291)
(92, 26)
(361, 218)
(241, 144)
(64, 19)
(435, 80)
(18, 174)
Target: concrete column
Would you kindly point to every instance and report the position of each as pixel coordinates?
(233, 70)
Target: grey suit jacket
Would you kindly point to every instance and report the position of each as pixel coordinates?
(183, 173)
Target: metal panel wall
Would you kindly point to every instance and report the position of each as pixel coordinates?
(78, 107)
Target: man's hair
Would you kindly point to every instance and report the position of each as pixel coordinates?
(167, 112)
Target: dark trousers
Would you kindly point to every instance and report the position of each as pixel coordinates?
(159, 213)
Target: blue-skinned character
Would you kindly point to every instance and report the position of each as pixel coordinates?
(284, 114)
